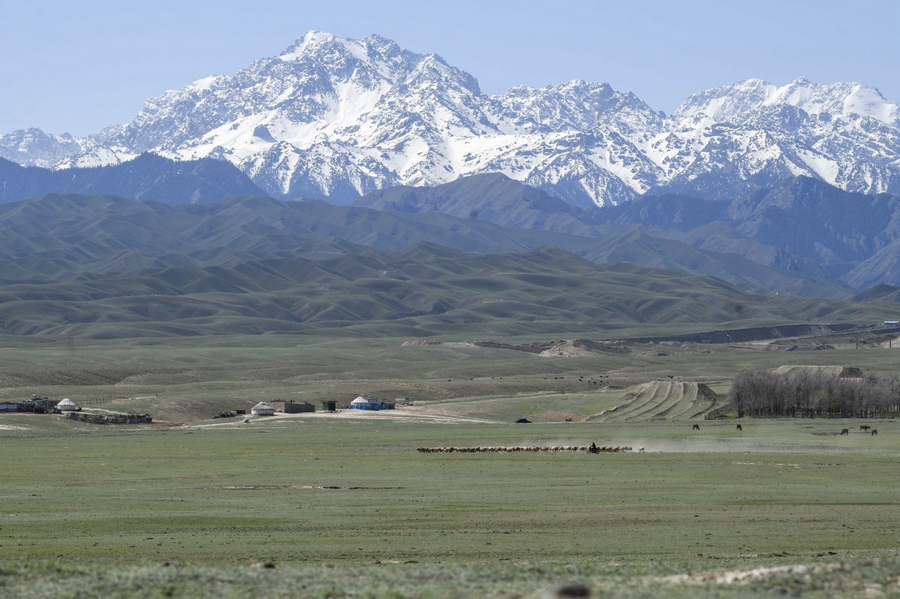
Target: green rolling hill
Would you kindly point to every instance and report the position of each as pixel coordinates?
(57, 237)
(424, 289)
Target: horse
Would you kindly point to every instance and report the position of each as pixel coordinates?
(864, 428)
(874, 431)
(696, 427)
(740, 428)
(845, 431)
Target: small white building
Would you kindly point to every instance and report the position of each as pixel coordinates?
(66, 405)
(262, 409)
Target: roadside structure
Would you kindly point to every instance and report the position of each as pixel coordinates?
(292, 407)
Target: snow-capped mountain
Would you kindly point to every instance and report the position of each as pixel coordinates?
(33, 147)
(337, 118)
(751, 131)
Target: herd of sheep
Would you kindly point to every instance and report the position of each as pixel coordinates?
(586, 449)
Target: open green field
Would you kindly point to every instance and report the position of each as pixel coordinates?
(344, 506)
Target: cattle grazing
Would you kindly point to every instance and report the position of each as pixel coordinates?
(864, 428)
(874, 431)
(845, 431)
(740, 428)
(696, 427)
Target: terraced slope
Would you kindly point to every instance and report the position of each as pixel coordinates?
(661, 400)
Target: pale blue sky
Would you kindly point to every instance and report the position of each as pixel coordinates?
(79, 66)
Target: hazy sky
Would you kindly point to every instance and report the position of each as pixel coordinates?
(79, 66)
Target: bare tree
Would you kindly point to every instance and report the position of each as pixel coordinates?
(810, 394)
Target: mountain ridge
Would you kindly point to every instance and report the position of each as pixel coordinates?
(337, 118)
(146, 177)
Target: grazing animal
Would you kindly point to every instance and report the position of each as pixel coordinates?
(696, 427)
(740, 428)
(845, 431)
(864, 428)
(874, 431)
(641, 449)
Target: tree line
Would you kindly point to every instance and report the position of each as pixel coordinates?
(803, 393)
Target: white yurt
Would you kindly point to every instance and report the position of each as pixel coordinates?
(369, 403)
(262, 409)
(362, 401)
(66, 405)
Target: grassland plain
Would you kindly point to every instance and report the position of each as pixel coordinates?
(339, 495)
(343, 505)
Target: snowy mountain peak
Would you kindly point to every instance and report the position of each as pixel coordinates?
(311, 40)
(572, 106)
(33, 147)
(335, 117)
(326, 50)
(836, 99)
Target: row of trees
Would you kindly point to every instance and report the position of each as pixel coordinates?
(810, 394)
